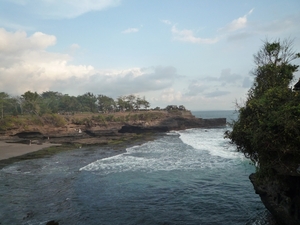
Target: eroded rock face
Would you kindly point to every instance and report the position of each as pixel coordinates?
(174, 123)
(72, 132)
(281, 196)
(29, 135)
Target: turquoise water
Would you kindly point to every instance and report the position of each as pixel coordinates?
(193, 176)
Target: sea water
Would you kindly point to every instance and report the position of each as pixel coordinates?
(193, 176)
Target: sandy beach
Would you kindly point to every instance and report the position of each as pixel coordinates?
(9, 150)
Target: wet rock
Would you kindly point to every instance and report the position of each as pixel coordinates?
(52, 222)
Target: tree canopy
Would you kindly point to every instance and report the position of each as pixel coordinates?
(268, 127)
(55, 102)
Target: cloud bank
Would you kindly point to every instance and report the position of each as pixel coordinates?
(25, 64)
(186, 35)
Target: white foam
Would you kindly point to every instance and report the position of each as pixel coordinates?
(211, 140)
(169, 153)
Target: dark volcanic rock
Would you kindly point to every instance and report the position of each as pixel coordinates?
(174, 123)
(139, 129)
(281, 196)
(101, 133)
(29, 135)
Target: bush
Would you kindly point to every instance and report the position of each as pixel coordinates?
(268, 128)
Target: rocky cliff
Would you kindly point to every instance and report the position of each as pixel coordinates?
(93, 129)
(280, 193)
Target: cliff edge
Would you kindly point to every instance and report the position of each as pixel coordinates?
(100, 128)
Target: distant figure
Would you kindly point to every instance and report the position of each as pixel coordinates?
(79, 131)
(29, 142)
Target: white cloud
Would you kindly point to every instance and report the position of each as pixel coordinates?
(130, 30)
(195, 88)
(237, 24)
(226, 84)
(170, 95)
(283, 27)
(134, 80)
(226, 77)
(59, 9)
(188, 36)
(18, 41)
(25, 63)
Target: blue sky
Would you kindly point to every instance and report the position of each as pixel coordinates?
(197, 53)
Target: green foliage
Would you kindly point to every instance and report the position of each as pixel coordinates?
(106, 104)
(9, 122)
(110, 118)
(3, 102)
(36, 120)
(88, 102)
(121, 119)
(100, 118)
(51, 102)
(268, 128)
(31, 102)
(55, 119)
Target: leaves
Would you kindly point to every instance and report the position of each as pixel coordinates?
(268, 127)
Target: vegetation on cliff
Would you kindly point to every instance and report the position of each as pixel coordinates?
(55, 102)
(268, 127)
(54, 108)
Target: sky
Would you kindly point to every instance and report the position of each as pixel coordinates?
(196, 53)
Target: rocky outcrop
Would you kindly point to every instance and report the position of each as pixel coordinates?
(281, 196)
(174, 123)
(96, 132)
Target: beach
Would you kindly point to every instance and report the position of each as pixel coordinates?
(9, 150)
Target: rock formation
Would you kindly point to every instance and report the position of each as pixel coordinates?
(95, 132)
(280, 195)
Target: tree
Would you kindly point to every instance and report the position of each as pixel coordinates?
(3, 101)
(88, 102)
(268, 127)
(69, 104)
(50, 101)
(31, 102)
(106, 104)
(130, 100)
(141, 102)
(121, 103)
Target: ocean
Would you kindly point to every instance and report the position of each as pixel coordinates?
(193, 176)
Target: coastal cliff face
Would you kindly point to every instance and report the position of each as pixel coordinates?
(93, 129)
(281, 196)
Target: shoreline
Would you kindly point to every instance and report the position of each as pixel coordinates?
(12, 152)
(10, 149)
